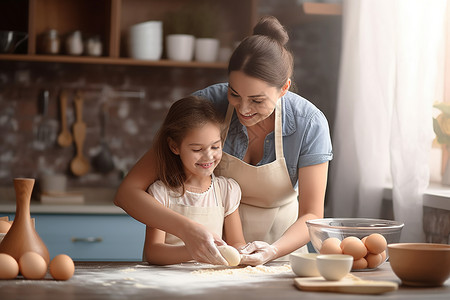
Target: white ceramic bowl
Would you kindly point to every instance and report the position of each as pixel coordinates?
(334, 266)
(180, 47)
(145, 40)
(304, 264)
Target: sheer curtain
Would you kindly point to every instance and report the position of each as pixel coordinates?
(391, 73)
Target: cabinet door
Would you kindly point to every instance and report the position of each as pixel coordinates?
(92, 237)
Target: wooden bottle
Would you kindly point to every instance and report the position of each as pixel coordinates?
(22, 236)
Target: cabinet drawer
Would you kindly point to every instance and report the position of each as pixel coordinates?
(92, 237)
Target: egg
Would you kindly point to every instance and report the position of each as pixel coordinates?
(331, 246)
(376, 243)
(32, 265)
(9, 268)
(62, 267)
(373, 260)
(383, 256)
(359, 264)
(4, 226)
(353, 246)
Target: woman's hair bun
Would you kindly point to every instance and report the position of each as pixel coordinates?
(271, 27)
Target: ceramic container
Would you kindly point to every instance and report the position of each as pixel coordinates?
(145, 40)
(206, 49)
(180, 47)
(334, 267)
(304, 264)
(420, 264)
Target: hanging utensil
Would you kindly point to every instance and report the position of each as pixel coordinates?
(64, 138)
(79, 165)
(103, 161)
(44, 134)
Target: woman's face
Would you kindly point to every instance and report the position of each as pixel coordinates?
(200, 151)
(253, 99)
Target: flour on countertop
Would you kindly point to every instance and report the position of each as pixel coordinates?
(240, 271)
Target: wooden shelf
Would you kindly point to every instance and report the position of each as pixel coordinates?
(329, 9)
(110, 61)
(111, 20)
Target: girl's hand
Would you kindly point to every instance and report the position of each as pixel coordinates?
(202, 245)
(257, 253)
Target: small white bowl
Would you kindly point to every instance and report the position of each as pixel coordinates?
(334, 267)
(304, 264)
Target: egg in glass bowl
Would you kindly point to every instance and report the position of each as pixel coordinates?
(364, 239)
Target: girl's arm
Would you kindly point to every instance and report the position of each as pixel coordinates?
(232, 230)
(157, 252)
(135, 201)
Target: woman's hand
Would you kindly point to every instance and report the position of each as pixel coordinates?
(257, 253)
(202, 245)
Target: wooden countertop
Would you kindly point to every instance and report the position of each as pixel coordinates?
(132, 280)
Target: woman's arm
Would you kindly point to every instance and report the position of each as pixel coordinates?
(157, 252)
(232, 232)
(311, 195)
(135, 201)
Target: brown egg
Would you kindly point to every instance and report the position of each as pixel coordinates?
(373, 260)
(331, 246)
(9, 268)
(354, 247)
(383, 256)
(62, 267)
(359, 264)
(32, 266)
(376, 243)
(4, 226)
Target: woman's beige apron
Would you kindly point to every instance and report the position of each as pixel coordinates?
(269, 204)
(212, 216)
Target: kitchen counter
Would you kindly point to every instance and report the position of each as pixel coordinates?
(136, 280)
(96, 201)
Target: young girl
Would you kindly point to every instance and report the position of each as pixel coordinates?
(188, 148)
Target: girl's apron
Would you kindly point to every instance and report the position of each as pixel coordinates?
(269, 204)
(212, 216)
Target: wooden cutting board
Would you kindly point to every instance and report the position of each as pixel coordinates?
(349, 284)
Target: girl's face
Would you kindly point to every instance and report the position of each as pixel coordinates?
(200, 151)
(253, 99)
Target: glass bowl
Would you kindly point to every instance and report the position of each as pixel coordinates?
(322, 229)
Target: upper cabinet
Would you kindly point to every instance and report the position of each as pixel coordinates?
(108, 22)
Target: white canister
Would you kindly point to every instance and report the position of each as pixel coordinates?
(206, 49)
(180, 47)
(145, 40)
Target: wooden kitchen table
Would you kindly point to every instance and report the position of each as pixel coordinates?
(131, 280)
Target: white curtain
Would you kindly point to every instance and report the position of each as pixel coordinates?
(391, 73)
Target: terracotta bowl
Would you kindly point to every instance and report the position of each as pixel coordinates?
(420, 264)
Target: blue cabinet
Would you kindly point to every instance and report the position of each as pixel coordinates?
(91, 237)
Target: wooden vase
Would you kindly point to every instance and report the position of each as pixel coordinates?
(22, 236)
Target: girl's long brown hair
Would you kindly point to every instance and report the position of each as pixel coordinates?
(184, 115)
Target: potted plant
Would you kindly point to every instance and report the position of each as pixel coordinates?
(441, 126)
(179, 39)
(205, 23)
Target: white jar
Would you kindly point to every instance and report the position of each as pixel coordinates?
(74, 43)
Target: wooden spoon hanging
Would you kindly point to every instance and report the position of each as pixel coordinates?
(64, 137)
(79, 164)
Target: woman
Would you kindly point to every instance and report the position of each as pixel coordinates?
(276, 142)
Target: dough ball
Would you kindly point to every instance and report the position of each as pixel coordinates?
(232, 256)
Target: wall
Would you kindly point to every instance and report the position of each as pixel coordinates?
(134, 120)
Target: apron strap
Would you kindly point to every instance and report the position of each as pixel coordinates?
(278, 131)
(278, 128)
